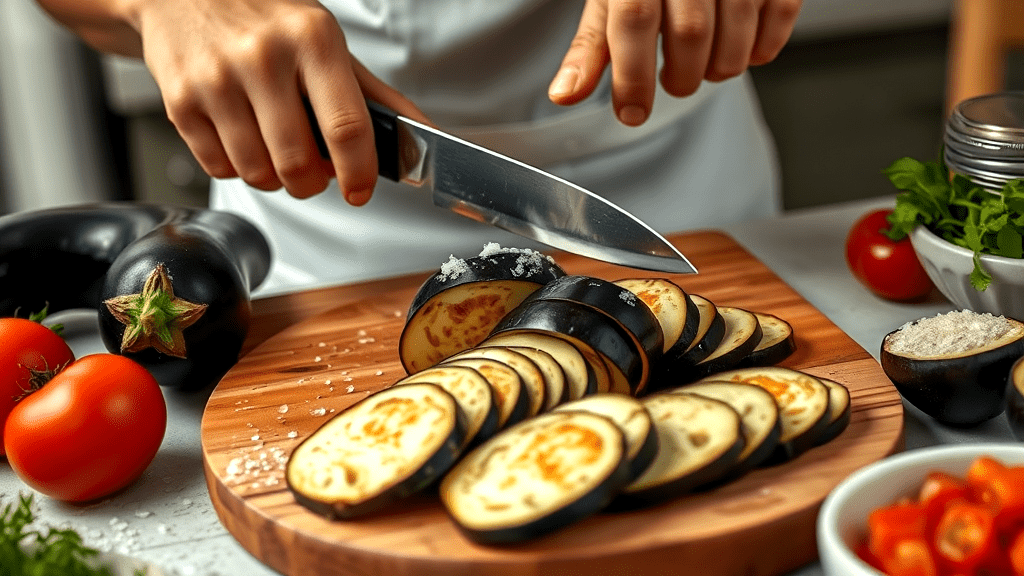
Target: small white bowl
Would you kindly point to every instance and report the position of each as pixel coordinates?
(842, 520)
(949, 266)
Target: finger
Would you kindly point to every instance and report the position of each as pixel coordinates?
(586, 59)
(344, 121)
(687, 32)
(379, 91)
(735, 31)
(777, 20)
(201, 138)
(633, 29)
(239, 133)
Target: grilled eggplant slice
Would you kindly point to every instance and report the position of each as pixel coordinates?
(510, 396)
(699, 441)
(629, 414)
(381, 449)
(580, 378)
(672, 306)
(777, 341)
(555, 390)
(618, 303)
(586, 328)
(677, 367)
(840, 409)
(472, 392)
(456, 308)
(803, 405)
(759, 418)
(536, 477)
(529, 373)
(742, 334)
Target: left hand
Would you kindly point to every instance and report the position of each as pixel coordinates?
(700, 39)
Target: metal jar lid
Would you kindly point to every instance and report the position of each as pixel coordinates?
(984, 138)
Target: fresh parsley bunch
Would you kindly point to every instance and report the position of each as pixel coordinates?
(958, 210)
(29, 551)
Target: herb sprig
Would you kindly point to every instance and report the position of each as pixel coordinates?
(959, 211)
(28, 550)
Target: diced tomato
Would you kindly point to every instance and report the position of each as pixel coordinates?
(937, 491)
(983, 469)
(966, 537)
(911, 556)
(1004, 494)
(891, 524)
(1016, 554)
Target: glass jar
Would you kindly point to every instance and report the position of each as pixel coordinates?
(984, 139)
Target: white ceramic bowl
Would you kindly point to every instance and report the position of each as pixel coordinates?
(949, 266)
(842, 520)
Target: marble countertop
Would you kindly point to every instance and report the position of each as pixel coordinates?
(166, 518)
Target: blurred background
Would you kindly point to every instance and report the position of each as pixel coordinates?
(861, 84)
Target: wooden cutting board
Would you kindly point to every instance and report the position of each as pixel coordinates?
(313, 354)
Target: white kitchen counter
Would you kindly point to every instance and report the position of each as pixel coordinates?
(166, 517)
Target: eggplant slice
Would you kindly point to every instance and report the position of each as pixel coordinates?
(742, 335)
(510, 396)
(471, 390)
(803, 402)
(777, 341)
(580, 379)
(383, 448)
(672, 306)
(699, 441)
(629, 414)
(536, 477)
(529, 372)
(759, 418)
(456, 308)
(840, 410)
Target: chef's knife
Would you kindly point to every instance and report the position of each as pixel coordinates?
(488, 187)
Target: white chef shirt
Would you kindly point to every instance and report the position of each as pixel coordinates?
(480, 69)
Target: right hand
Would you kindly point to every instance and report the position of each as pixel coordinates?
(233, 74)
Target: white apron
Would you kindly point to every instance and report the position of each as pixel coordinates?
(480, 69)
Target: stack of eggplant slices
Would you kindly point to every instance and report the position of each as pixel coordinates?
(536, 398)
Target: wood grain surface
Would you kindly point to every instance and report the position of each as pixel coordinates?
(312, 354)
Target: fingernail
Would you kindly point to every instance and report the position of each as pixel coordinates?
(565, 81)
(632, 115)
(357, 197)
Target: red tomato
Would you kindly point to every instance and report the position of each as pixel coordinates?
(889, 525)
(90, 431)
(938, 491)
(910, 557)
(890, 269)
(30, 354)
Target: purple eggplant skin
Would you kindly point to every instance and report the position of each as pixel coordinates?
(95, 252)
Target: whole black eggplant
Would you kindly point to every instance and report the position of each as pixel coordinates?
(104, 256)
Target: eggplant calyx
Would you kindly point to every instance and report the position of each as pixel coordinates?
(155, 318)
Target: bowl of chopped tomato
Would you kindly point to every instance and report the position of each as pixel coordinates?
(940, 511)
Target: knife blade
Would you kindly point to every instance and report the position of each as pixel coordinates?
(489, 187)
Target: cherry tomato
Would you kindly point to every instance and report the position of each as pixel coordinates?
(90, 431)
(30, 354)
(890, 269)
(965, 538)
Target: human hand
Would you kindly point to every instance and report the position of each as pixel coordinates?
(233, 75)
(700, 40)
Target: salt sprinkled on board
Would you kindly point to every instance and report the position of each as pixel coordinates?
(953, 333)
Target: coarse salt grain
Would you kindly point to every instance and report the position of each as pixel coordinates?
(453, 268)
(956, 332)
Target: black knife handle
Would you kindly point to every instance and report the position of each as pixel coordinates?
(385, 136)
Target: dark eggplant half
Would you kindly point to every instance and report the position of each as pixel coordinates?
(617, 302)
(629, 414)
(840, 408)
(742, 335)
(456, 308)
(803, 402)
(964, 388)
(777, 341)
(580, 378)
(529, 373)
(381, 449)
(672, 306)
(537, 477)
(586, 328)
(510, 395)
(471, 390)
(759, 419)
(699, 440)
